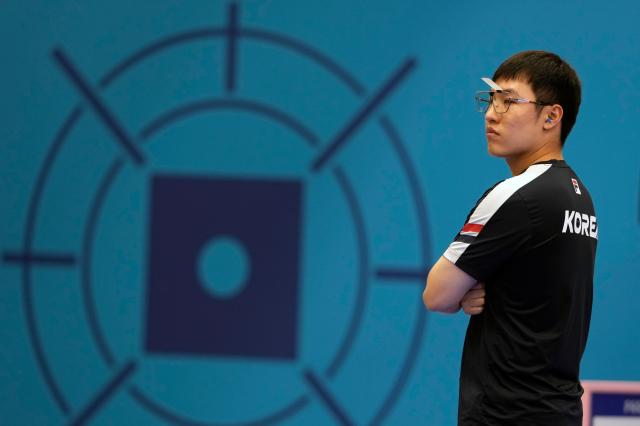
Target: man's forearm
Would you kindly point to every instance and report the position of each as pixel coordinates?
(446, 286)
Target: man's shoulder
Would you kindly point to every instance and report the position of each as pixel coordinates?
(504, 192)
(557, 189)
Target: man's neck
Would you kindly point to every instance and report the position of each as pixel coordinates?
(519, 164)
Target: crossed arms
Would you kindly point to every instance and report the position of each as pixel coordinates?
(449, 288)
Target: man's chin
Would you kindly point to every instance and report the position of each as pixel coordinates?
(495, 151)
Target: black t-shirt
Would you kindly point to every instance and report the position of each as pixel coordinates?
(532, 240)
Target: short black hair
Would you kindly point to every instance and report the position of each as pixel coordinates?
(552, 80)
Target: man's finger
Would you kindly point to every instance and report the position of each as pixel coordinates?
(473, 311)
(476, 293)
(475, 302)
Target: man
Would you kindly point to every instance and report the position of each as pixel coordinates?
(522, 264)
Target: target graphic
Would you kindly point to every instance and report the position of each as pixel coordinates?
(223, 252)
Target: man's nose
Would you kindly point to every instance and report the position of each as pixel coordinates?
(491, 116)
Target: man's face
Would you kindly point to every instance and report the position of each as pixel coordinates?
(517, 131)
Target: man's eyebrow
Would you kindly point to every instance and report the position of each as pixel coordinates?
(511, 91)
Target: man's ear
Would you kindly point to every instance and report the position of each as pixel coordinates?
(553, 116)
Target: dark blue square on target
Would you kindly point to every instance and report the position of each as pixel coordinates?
(223, 273)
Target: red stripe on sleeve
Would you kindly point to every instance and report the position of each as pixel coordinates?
(472, 227)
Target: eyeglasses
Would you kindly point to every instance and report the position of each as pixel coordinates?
(500, 100)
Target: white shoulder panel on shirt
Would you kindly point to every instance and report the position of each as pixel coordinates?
(492, 202)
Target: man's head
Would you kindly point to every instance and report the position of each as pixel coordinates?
(543, 98)
(551, 80)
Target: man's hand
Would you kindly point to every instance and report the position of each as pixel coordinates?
(473, 302)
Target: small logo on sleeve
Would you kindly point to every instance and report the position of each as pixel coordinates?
(576, 187)
(580, 223)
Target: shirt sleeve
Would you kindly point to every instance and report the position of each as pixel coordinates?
(496, 228)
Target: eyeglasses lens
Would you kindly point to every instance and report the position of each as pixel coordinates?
(499, 100)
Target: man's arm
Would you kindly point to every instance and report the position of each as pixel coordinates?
(446, 286)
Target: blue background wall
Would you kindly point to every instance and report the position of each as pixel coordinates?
(365, 226)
